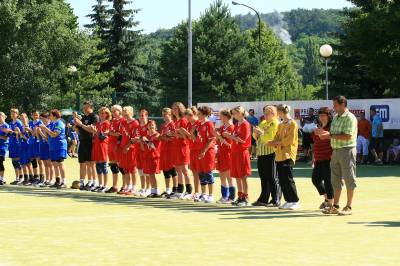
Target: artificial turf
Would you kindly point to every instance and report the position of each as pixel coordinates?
(49, 227)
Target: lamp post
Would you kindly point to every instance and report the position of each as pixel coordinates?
(326, 52)
(190, 56)
(72, 69)
(259, 21)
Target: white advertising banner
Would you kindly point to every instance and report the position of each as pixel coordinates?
(389, 109)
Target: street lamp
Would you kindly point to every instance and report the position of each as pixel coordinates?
(259, 21)
(190, 56)
(72, 69)
(326, 52)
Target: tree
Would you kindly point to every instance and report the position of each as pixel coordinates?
(368, 60)
(312, 64)
(39, 40)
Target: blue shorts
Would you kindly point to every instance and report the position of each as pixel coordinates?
(24, 154)
(44, 152)
(3, 150)
(13, 150)
(74, 136)
(34, 150)
(207, 178)
(58, 155)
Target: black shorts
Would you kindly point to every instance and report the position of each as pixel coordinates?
(376, 144)
(307, 140)
(1, 158)
(85, 151)
(170, 173)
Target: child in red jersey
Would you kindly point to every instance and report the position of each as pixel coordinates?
(114, 149)
(224, 157)
(194, 146)
(206, 135)
(151, 158)
(100, 148)
(241, 141)
(128, 157)
(167, 164)
(181, 152)
(140, 151)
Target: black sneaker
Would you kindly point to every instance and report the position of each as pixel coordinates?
(243, 202)
(259, 204)
(95, 189)
(272, 204)
(61, 186)
(112, 190)
(2, 183)
(89, 187)
(154, 196)
(26, 183)
(236, 202)
(14, 183)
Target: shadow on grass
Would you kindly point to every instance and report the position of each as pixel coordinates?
(226, 212)
(379, 223)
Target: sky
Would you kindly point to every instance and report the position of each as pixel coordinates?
(156, 14)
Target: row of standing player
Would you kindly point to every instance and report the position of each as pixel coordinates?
(37, 148)
(186, 137)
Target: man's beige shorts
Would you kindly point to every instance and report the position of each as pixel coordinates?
(343, 167)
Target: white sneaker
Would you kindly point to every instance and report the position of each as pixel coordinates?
(209, 199)
(175, 195)
(142, 193)
(224, 201)
(284, 206)
(202, 198)
(103, 190)
(294, 206)
(186, 196)
(196, 196)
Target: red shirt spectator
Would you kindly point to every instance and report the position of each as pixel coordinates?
(322, 147)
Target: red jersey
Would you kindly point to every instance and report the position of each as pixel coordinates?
(243, 131)
(206, 133)
(222, 129)
(181, 123)
(102, 129)
(141, 131)
(322, 147)
(152, 147)
(115, 127)
(165, 130)
(193, 128)
(166, 161)
(128, 131)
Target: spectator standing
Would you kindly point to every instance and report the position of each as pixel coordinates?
(343, 135)
(364, 135)
(252, 119)
(377, 136)
(308, 125)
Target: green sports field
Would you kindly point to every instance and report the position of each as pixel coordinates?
(49, 227)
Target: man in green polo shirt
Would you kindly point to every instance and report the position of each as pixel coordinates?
(343, 135)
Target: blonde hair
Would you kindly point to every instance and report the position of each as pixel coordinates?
(240, 110)
(167, 110)
(271, 109)
(106, 110)
(283, 108)
(181, 109)
(191, 111)
(116, 107)
(3, 115)
(129, 110)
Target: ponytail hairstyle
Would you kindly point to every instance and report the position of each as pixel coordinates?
(283, 108)
(181, 109)
(205, 110)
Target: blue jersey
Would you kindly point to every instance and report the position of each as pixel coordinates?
(3, 142)
(376, 124)
(13, 125)
(59, 142)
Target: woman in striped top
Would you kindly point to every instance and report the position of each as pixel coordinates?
(264, 133)
(321, 175)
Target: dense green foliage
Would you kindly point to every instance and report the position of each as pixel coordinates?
(368, 60)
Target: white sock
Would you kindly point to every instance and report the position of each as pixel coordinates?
(82, 181)
(168, 190)
(63, 180)
(130, 187)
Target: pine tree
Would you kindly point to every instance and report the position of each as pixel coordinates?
(312, 64)
(124, 45)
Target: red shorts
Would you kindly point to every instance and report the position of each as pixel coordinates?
(194, 160)
(114, 151)
(128, 161)
(223, 160)
(207, 163)
(181, 155)
(100, 151)
(241, 165)
(151, 166)
(166, 160)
